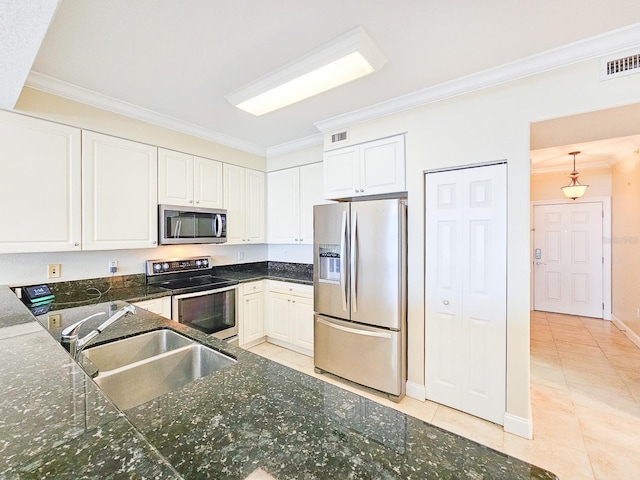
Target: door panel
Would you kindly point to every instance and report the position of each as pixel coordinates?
(465, 290)
(568, 278)
(331, 260)
(377, 281)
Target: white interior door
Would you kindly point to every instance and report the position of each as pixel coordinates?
(466, 287)
(568, 258)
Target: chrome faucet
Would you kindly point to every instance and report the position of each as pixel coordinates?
(75, 345)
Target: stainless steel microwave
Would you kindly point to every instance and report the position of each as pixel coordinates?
(182, 225)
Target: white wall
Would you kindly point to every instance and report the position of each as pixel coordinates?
(486, 126)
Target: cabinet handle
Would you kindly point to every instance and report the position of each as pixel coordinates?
(154, 242)
(362, 189)
(293, 301)
(288, 299)
(197, 201)
(356, 190)
(301, 239)
(190, 201)
(77, 244)
(295, 239)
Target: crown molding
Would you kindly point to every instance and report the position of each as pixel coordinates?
(295, 145)
(64, 89)
(593, 47)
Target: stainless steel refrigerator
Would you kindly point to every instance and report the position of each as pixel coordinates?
(359, 279)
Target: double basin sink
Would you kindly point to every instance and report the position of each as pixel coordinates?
(135, 370)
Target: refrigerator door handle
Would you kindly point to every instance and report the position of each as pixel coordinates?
(356, 331)
(354, 258)
(343, 273)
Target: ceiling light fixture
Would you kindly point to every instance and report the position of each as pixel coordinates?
(575, 189)
(351, 56)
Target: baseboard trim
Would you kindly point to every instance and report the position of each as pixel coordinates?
(417, 391)
(523, 427)
(633, 336)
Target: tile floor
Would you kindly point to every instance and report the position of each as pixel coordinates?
(585, 389)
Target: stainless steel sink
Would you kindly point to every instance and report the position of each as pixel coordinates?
(130, 350)
(161, 365)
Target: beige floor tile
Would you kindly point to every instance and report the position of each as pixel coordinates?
(602, 379)
(568, 349)
(542, 336)
(612, 427)
(559, 328)
(557, 426)
(613, 464)
(469, 426)
(582, 339)
(552, 375)
(567, 463)
(596, 322)
(557, 318)
(295, 358)
(557, 399)
(538, 315)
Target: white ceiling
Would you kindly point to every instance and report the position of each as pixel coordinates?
(179, 59)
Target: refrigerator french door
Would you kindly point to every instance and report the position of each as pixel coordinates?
(360, 292)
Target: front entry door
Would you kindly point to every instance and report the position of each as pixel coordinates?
(567, 259)
(466, 289)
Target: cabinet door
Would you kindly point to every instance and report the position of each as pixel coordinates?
(207, 183)
(175, 178)
(302, 322)
(233, 194)
(341, 173)
(278, 316)
(283, 201)
(40, 194)
(253, 317)
(119, 193)
(311, 193)
(254, 206)
(382, 166)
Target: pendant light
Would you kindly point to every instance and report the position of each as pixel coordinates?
(575, 189)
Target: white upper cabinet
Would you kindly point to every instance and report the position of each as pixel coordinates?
(244, 197)
(119, 193)
(292, 193)
(188, 180)
(371, 168)
(40, 194)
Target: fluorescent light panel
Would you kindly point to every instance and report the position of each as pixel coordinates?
(347, 58)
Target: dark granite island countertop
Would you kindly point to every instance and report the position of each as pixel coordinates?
(253, 414)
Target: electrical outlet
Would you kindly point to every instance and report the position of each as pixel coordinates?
(113, 266)
(240, 255)
(53, 270)
(55, 320)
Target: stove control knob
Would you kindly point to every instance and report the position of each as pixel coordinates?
(165, 266)
(157, 267)
(205, 262)
(198, 263)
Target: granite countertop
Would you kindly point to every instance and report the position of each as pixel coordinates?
(54, 422)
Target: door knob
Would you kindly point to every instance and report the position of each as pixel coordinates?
(540, 263)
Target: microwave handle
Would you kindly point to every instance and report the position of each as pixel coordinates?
(177, 228)
(218, 229)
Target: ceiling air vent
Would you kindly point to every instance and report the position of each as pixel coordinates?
(339, 137)
(622, 64)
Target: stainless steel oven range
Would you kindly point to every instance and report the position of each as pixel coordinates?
(199, 299)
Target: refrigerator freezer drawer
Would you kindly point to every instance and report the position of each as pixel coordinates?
(366, 355)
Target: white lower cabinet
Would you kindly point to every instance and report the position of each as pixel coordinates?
(251, 314)
(290, 316)
(160, 306)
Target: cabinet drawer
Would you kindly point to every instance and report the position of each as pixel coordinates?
(290, 288)
(252, 287)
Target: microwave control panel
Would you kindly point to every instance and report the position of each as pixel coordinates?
(160, 267)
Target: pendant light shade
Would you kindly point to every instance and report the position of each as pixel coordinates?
(575, 189)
